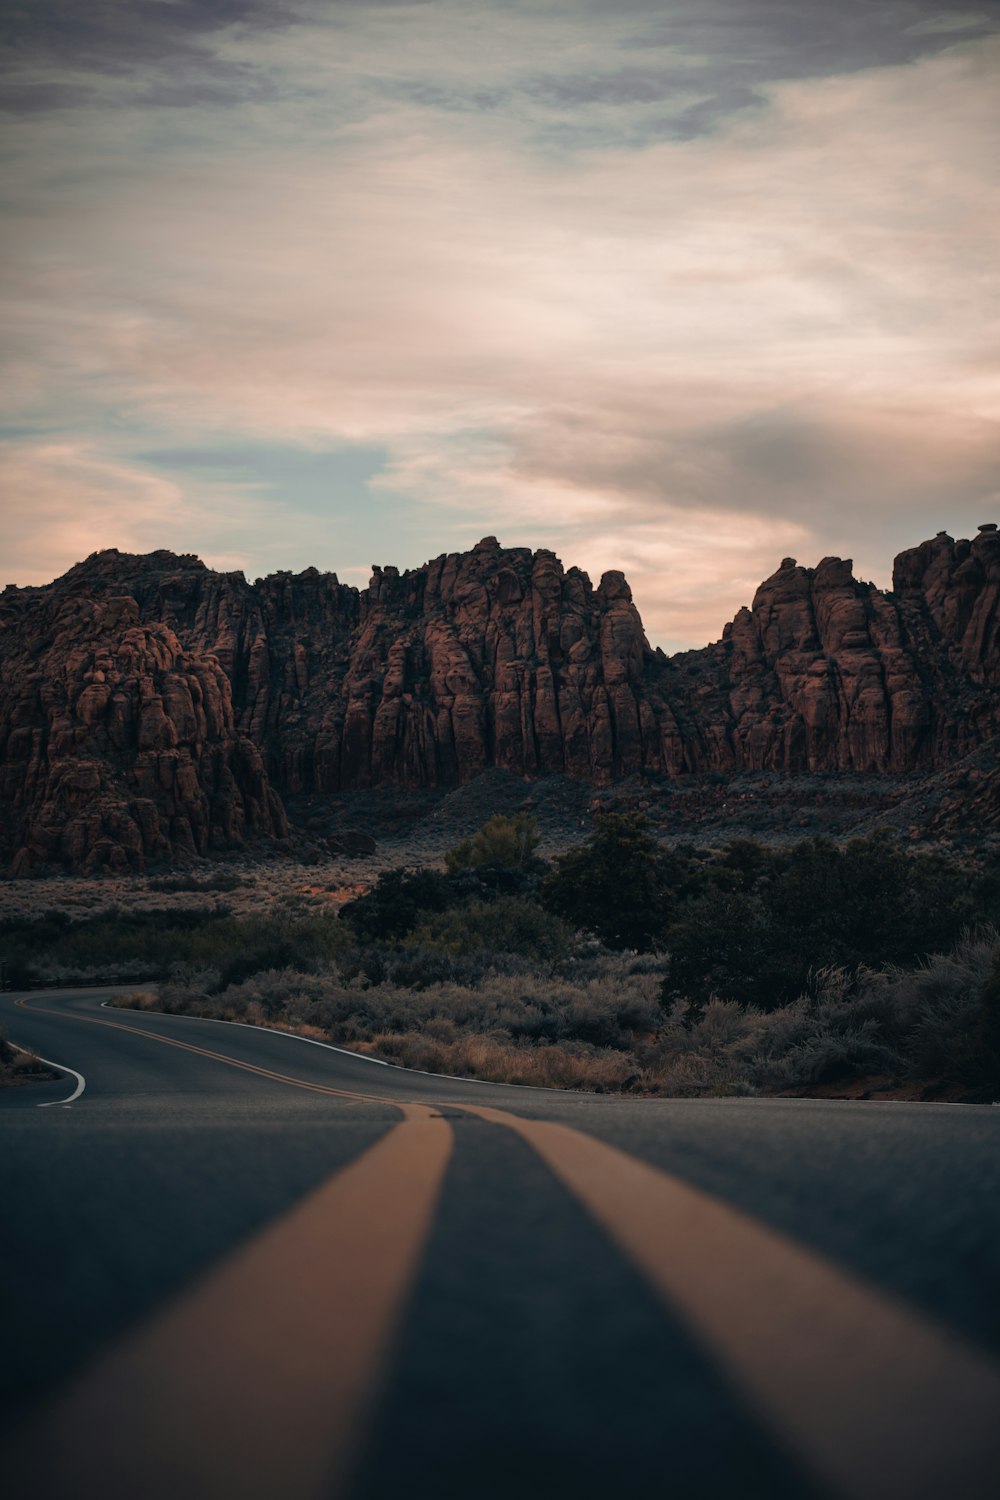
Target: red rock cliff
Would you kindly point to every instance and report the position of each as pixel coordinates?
(118, 744)
(150, 706)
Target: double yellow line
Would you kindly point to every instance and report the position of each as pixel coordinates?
(262, 1381)
(232, 1062)
(259, 1382)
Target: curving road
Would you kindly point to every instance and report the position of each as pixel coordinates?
(236, 1263)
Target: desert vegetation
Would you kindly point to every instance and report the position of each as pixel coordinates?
(600, 1025)
(18, 1066)
(121, 944)
(619, 965)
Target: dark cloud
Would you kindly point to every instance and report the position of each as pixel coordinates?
(462, 101)
(724, 52)
(784, 39)
(706, 114)
(836, 470)
(119, 33)
(165, 47)
(40, 98)
(733, 49)
(804, 463)
(721, 53)
(620, 86)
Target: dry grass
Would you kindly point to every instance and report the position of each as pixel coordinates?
(594, 1023)
(560, 1067)
(246, 888)
(18, 1066)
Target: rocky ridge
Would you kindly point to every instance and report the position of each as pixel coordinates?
(152, 708)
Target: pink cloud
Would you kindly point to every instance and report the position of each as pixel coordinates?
(689, 355)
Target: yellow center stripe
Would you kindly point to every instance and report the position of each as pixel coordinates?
(232, 1062)
(878, 1402)
(262, 1381)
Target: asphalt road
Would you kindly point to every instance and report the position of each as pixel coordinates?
(238, 1263)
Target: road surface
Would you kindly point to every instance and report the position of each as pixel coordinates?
(236, 1263)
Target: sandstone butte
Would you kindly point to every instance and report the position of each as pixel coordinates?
(152, 709)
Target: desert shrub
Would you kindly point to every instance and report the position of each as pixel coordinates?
(487, 882)
(989, 1026)
(593, 1019)
(611, 885)
(825, 1057)
(7, 1052)
(416, 967)
(419, 968)
(124, 945)
(510, 924)
(24, 940)
(753, 924)
(721, 943)
(492, 1059)
(113, 944)
(239, 947)
(18, 1066)
(220, 881)
(942, 1004)
(918, 1023)
(196, 979)
(868, 903)
(603, 1012)
(398, 902)
(506, 842)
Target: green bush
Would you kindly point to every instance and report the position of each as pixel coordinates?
(594, 1022)
(753, 924)
(138, 944)
(509, 843)
(722, 943)
(510, 924)
(612, 885)
(398, 901)
(220, 881)
(988, 1029)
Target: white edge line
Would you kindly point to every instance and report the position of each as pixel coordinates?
(536, 1088)
(492, 1083)
(81, 1082)
(295, 1036)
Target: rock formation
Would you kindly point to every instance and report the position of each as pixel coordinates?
(118, 745)
(150, 707)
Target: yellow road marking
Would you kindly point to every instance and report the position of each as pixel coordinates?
(232, 1062)
(261, 1382)
(876, 1400)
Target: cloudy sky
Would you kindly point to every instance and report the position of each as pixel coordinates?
(673, 286)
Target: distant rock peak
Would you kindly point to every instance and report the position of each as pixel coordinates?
(152, 706)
